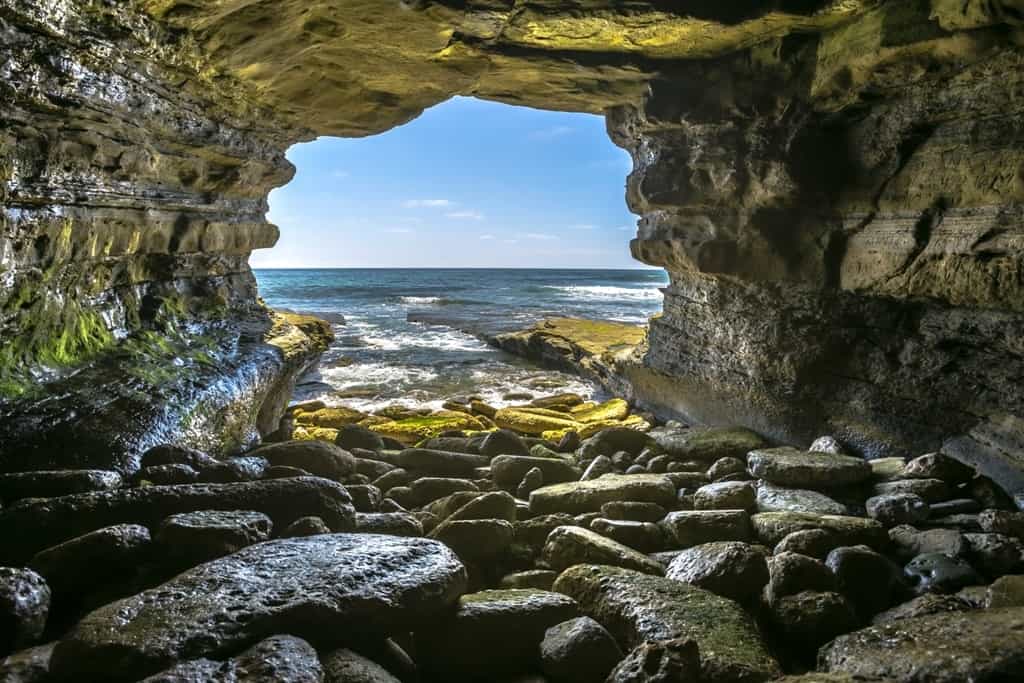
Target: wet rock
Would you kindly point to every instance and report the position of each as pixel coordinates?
(1006, 591)
(976, 645)
(931, 490)
(24, 605)
(389, 523)
(609, 441)
(171, 454)
(886, 469)
(909, 542)
(534, 532)
(284, 472)
(939, 573)
(724, 467)
(93, 560)
(52, 483)
(279, 658)
(923, 605)
(772, 498)
(541, 579)
(166, 475)
(490, 505)
(938, 466)
(356, 436)
(995, 554)
(428, 489)
(532, 480)
(578, 651)
(589, 496)
(319, 458)
(827, 444)
(194, 537)
(40, 524)
(394, 478)
(809, 619)
(871, 581)
(314, 587)
(508, 470)
(346, 666)
(638, 607)
(27, 666)
(727, 495)
(599, 466)
(988, 493)
(229, 470)
(708, 444)
(772, 527)
(962, 522)
(475, 539)
(425, 461)
(632, 511)
(798, 469)
(816, 543)
(893, 509)
(731, 569)
(491, 634)
(365, 497)
(661, 661)
(792, 573)
(646, 537)
(569, 545)
(305, 526)
(686, 528)
(503, 442)
(374, 469)
(957, 506)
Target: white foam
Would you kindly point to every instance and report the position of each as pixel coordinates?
(608, 293)
(421, 299)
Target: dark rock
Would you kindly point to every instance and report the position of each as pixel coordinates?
(503, 442)
(50, 484)
(28, 666)
(374, 469)
(632, 511)
(532, 480)
(396, 477)
(872, 582)
(726, 466)
(995, 554)
(490, 505)
(931, 490)
(284, 472)
(317, 587)
(166, 475)
(923, 605)
(541, 579)
(909, 542)
(192, 538)
(609, 441)
(731, 569)
(893, 509)
(989, 495)
(938, 466)
(491, 634)
(346, 666)
(171, 454)
(390, 523)
(660, 661)
(279, 658)
(793, 573)
(1006, 591)
(534, 532)
(962, 522)
(306, 526)
(475, 539)
(646, 537)
(727, 495)
(319, 458)
(589, 496)
(93, 560)
(356, 436)
(772, 498)
(579, 651)
(1002, 522)
(600, 465)
(939, 573)
(707, 444)
(365, 497)
(508, 470)
(809, 619)
(816, 543)
(772, 527)
(569, 442)
(827, 444)
(957, 506)
(569, 545)
(798, 469)
(40, 524)
(230, 470)
(425, 461)
(24, 605)
(688, 528)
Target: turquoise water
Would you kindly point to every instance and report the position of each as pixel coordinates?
(407, 335)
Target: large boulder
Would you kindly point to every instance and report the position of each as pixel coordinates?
(52, 483)
(508, 470)
(192, 538)
(589, 496)
(772, 498)
(279, 658)
(731, 569)
(427, 461)
(772, 527)
(801, 469)
(569, 545)
(317, 588)
(708, 444)
(95, 559)
(319, 458)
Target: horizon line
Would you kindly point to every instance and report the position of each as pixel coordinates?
(641, 267)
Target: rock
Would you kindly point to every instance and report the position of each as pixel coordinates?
(491, 505)
(24, 605)
(316, 457)
(960, 522)
(394, 478)
(712, 443)
(1006, 591)
(724, 467)
(886, 469)
(425, 461)
(893, 509)
(475, 539)
(646, 537)
(976, 645)
(939, 573)
(192, 538)
(816, 543)
(428, 489)
(532, 480)
(314, 586)
(938, 466)
(27, 666)
(508, 470)
(910, 542)
(541, 579)
(166, 475)
(599, 466)
(410, 431)
(872, 582)
(809, 619)
(306, 526)
(589, 496)
(772, 498)
(931, 490)
(923, 605)
(633, 511)
(52, 483)
(688, 528)
(662, 661)
(569, 545)
(44, 523)
(278, 658)
(365, 497)
(726, 495)
(995, 554)
(798, 469)
(792, 573)
(356, 436)
(533, 421)
(503, 442)
(637, 608)
(827, 444)
(374, 469)
(491, 634)
(989, 495)
(242, 468)
(579, 651)
(729, 568)
(610, 441)
(957, 506)
(93, 560)
(772, 527)
(389, 523)
(346, 666)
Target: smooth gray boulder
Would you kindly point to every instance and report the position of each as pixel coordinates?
(771, 498)
(578, 651)
(801, 469)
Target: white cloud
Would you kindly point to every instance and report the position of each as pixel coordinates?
(426, 203)
(341, 175)
(582, 226)
(537, 236)
(399, 231)
(487, 237)
(552, 133)
(470, 215)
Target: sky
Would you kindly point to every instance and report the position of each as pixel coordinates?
(467, 184)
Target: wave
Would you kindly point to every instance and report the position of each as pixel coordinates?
(608, 293)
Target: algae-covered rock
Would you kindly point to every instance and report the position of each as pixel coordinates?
(589, 496)
(334, 417)
(532, 421)
(412, 430)
(610, 410)
(772, 527)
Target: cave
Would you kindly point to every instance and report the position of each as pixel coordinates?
(834, 188)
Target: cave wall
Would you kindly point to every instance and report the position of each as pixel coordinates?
(835, 188)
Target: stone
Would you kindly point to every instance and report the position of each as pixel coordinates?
(726, 495)
(771, 527)
(609, 441)
(388, 523)
(428, 489)
(707, 443)
(356, 436)
(278, 658)
(532, 480)
(724, 467)
(27, 666)
(931, 490)
(886, 469)
(945, 648)
(475, 539)
(827, 444)
(909, 542)
(319, 458)
(729, 568)
(313, 586)
(646, 537)
(809, 619)
(599, 466)
(24, 606)
(893, 509)
(428, 462)
(237, 469)
(687, 528)
(491, 634)
(192, 538)
(569, 545)
(306, 526)
(961, 522)
(374, 469)
(508, 470)
(503, 442)
(772, 498)
(365, 497)
(633, 511)
(939, 573)
(791, 573)
(346, 666)
(50, 484)
(869, 580)
(638, 608)
(533, 532)
(816, 543)
(541, 579)
(589, 496)
(166, 475)
(93, 560)
(922, 605)
(40, 524)
(662, 661)
(995, 554)
(491, 505)
(798, 469)
(957, 506)
(579, 650)
(1006, 591)
(938, 466)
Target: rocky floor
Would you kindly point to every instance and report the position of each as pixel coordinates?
(637, 554)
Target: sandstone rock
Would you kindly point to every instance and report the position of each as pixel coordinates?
(50, 484)
(388, 523)
(893, 509)
(727, 495)
(944, 648)
(93, 560)
(688, 528)
(772, 527)
(491, 634)
(312, 586)
(192, 538)
(569, 545)
(633, 511)
(792, 573)
(637, 608)
(662, 661)
(798, 469)
(508, 470)
(439, 463)
(579, 651)
(939, 573)
(316, 457)
(729, 568)
(24, 605)
(346, 666)
(305, 526)
(589, 496)
(646, 537)
(872, 582)
(921, 606)
(772, 498)
(1006, 591)
(279, 658)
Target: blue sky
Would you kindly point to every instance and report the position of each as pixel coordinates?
(467, 184)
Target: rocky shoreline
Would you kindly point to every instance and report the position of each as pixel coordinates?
(556, 540)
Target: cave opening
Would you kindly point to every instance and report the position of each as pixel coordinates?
(422, 244)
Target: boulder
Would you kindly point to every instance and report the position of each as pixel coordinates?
(938, 466)
(922, 605)
(490, 505)
(893, 509)
(503, 442)
(578, 651)
(724, 467)
(726, 495)
(633, 511)
(319, 458)
(306, 526)
(728, 568)
(771, 498)
(661, 661)
(475, 539)
(93, 560)
(428, 489)
(931, 490)
(24, 606)
(508, 470)
(708, 444)
(278, 658)
(687, 528)
(1006, 591)
(792, 573)
(52, 483)
(799, 469)
(599, 466)
(646, 537)
(166, 475)
(425, 461)
(389, 523)
(569, 545)
(365, 497)
(533, 532)
(816, 543)
(809, 619)
(533, 578)
(346, 666)
(314, 587)
(589, 496)
(31, 665)
(995, 554)
(357, 436)
(909, 542)
(939, 573)
(611, 441)
(772, 527)
(192, 538)
(871, 581)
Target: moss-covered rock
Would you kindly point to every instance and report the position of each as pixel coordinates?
(412, 430)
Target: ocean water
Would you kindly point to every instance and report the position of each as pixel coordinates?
(409, 336)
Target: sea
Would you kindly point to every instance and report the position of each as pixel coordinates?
(414, 336)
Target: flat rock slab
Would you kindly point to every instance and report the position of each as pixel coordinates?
(639, 607)
(589, 496)
(779, 499)
(440, 463)
(38, 524)
(710, 443)
(802, 469)
(772, 527)
(981, 645)
(317, 588)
